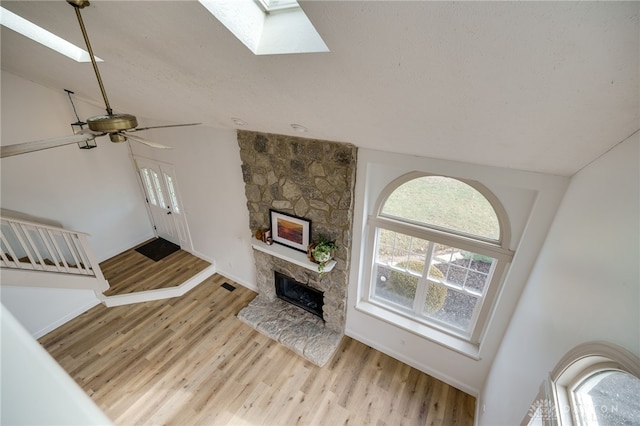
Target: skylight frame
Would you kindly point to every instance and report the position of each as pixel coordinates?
(46, 38)
(276, 5)
(284, 29)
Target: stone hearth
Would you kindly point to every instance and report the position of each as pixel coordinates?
(293, 327)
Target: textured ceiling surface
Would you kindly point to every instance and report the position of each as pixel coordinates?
(539, 86)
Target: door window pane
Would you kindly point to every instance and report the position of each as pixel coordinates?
(172, 193)
(147, 184)
(156, 184)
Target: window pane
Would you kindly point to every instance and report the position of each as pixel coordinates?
(400, 261)
(395, 286)
(172, 193)
(463, 269)
(147, 184)
(156, 182)
(608, 397)
(400, 250)
(456, 310)
(444, 202)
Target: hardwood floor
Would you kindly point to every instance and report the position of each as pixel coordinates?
(131, 271)
(189, 360)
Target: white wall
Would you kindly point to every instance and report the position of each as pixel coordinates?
(530, 199)
(35, 390)
(93, 191)
(585, 285)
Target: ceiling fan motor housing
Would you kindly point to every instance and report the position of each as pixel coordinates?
(112, 123)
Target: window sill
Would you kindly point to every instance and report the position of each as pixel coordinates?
(290, 255)
(450, 342)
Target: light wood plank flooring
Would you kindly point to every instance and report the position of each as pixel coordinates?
(189, 360)
(131, 271)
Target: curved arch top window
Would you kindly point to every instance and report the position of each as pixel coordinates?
(444, 203)
(607, 397)
(595, 383)
(439, 250)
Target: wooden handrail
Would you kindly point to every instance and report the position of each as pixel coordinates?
(30, 246)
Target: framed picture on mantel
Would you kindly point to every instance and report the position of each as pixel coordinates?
(290, 231)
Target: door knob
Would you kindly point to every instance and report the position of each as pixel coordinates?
(168, 212)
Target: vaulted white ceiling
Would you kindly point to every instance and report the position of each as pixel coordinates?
(540, 86)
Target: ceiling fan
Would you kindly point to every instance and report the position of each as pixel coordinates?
(119, 127)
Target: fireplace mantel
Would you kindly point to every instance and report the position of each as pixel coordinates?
(290, 255)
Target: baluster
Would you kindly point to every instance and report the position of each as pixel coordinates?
(71, 250)
(46, 236)
(16, 227)
(63, 259)
(83, 259)
(14, 258)
(34, 247)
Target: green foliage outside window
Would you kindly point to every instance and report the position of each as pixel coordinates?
(405, 285)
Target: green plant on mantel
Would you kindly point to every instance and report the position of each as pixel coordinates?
(321, 252)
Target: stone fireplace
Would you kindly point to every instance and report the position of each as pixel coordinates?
(315, 180)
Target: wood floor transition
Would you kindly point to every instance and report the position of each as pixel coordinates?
(131, 271)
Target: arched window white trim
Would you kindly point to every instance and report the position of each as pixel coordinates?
(584, 366)
(503, 219)
(412, 311)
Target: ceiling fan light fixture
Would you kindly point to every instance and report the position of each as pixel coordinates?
(117, 137)
(88, 144)
(78, 127)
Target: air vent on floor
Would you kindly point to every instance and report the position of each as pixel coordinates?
(228, 286)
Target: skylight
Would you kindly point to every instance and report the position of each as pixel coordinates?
(273, 5)
(42, 36)
(268, 27)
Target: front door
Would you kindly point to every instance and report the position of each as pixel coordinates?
(161, 189)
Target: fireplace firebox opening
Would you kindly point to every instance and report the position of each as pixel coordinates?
(299, 294)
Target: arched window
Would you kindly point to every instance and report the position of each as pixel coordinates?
(439, 250)
(596, 383)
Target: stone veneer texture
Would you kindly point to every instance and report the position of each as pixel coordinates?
(308, 178)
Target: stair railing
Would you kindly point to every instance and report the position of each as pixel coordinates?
(32, 246)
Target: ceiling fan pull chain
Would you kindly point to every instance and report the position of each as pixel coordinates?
(93, 60)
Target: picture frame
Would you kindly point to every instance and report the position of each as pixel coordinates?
(290, 231)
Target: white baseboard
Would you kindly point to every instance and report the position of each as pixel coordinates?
(49, 328)
(239, 280)
(201, 256)
(415, 364)
(165, 293)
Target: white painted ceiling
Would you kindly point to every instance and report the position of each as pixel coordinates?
(540, 86)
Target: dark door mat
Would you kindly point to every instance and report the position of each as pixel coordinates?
(228, 286)
(158, 249)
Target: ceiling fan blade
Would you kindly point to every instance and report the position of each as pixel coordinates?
(160, 127)
(25, 147)
(146, 141)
